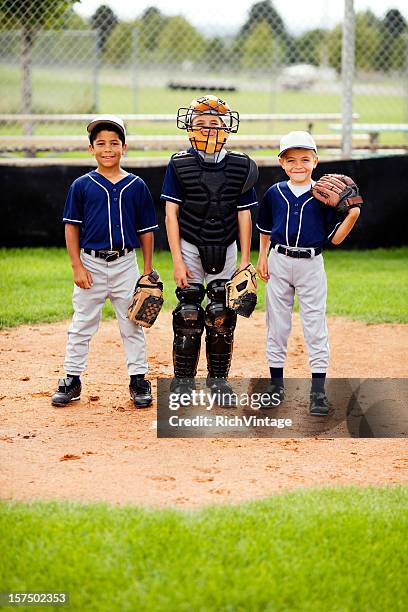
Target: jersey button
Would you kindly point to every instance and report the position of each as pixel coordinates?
(117, 225)
(114, 190)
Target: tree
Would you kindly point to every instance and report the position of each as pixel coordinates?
(394, 23)
(31, 16)
(261, 49)
(392, 50)
(216, 53)
(152, 23)
(334, 42)
(72, 21)
(263, 12)
(118, 49)
(308, 47)
(367, 41)
(179, 41)
(104, 21)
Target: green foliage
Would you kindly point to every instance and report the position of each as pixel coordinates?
(178, 41)
(260, 37)
(216, 53)
(367, 41)
(118, 49)
(104, 21)
(334, 549)
(309, 46)
(264, 11)
(34, 14)
(152, 23)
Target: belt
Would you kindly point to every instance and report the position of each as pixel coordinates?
(108, 255)
(298, 253)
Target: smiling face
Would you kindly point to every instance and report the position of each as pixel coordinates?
(299, 165)
(107, 148)
(207, 133)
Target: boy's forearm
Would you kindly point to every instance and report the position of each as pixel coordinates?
(72, 233)
(147, 244)
(173, 234)
(264, 242)
(346, 226)
(245, 233)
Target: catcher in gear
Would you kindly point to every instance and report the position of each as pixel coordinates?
(294, 228)
(208, 193)
(147, 300)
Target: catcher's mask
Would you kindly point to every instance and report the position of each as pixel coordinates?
(204, 133)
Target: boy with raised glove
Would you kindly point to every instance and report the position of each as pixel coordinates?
(294, 227)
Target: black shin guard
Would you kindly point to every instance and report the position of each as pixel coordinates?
(188, 326)
(220, 323)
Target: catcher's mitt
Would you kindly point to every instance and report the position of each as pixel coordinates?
(147, 300)
(337, 190)
(241, 291)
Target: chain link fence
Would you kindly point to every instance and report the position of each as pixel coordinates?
(55, 59)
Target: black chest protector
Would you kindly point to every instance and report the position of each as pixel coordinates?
(208, 216)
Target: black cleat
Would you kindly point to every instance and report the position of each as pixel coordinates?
(69, 390)
(141, 393)
(319, 404)
(225, 395)
(182, 386)
(276, 395)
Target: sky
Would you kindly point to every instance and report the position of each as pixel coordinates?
(217, 15)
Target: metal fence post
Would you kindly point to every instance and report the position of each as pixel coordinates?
(96, 66)
(347, 74)
(134, 69)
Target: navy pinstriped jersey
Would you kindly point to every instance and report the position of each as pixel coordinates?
(296, 221)
(172, 190)
(111, 215)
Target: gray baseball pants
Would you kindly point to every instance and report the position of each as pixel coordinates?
(114, 280)
(191, 258)
(308, 278)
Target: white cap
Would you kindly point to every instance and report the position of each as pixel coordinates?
(113, 119)
(296, 140)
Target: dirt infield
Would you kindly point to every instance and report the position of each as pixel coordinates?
(101, 448)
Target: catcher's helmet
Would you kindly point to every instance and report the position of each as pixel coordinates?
(208, 138)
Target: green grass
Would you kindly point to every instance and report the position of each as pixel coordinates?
(372, 286)
(327, 550)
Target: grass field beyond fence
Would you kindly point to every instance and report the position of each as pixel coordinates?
(328, 550)
(372, 286)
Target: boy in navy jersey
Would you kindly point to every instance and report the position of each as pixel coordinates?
(108, 213)
(294, 226)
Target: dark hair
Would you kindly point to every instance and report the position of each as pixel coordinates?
(106, 126)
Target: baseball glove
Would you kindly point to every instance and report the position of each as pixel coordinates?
(338, 191)
(147, 300)
(241, 291)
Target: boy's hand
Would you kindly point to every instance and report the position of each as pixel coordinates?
(181, 275)
(82, 277)
(262, 268)
(244, 264)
